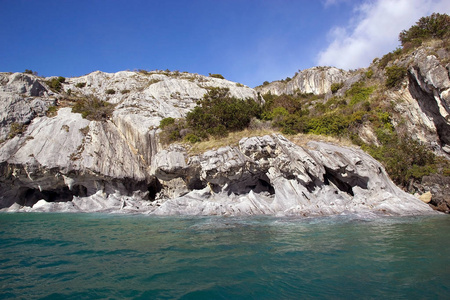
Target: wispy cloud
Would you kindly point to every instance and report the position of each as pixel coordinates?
(328, 3)
(374, 30)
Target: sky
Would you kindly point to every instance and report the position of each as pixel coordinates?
(247, 41)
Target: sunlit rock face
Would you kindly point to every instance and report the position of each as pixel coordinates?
(59, 161)
(271, 175)
(317, 80)
(49, 152)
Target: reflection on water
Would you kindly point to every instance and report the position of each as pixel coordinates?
(108, 256)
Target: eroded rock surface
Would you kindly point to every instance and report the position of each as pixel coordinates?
(317, 80)
(271, 175)
(266, 175)
(63, 162)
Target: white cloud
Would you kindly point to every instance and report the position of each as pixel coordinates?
(374, 30)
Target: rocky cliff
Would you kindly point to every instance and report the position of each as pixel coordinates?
(317, 80)
(421, 103)
(55, 156)
(52, 159)
(262, 175)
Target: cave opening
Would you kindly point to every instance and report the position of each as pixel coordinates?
(30, 196)
(258, 185)
(346, 186)
(153, 188)
(196, 184)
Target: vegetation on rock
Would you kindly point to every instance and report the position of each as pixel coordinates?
(216, 76)
(93, 109)
(217, 114)
(394, 76)
(16, 128)
(27, 71)
(436, 26)
(55, 83)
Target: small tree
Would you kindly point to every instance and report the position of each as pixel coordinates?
(435, 26)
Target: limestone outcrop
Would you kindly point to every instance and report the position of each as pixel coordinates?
(271, 175)
(60, 156)
(316, 80)
(263, 175)
(60, 161)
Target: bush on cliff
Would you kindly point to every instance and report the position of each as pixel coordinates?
(93, 109)
(405, 159)
(395, 76)
(436, 26)
(55, 83)
(220, 76)
(217, 114)
(336, 87)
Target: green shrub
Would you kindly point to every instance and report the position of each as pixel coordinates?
(124, 91)
(395, 76)
(52, 111)
(55, 83)
(333, 103)
(216, 76)
(290, 103)
(369, 73)
(166, 122)
(436, 26)
(334, 124)
(80, 85)
(336, 87)
(192, 138)
(27, 71)
(290, 124)
(391, 56)
(405, 159)
(218, 109)
(216, 114)
(110, 92)
(265, 83)
(358, 92)
(93, 109)
(171, 130)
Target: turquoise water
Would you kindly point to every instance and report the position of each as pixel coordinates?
(94, 256)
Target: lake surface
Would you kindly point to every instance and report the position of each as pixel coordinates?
(100, 256)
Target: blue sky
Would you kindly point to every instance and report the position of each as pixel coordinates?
(247, 41)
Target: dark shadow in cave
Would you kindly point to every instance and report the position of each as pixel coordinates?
(30, 196)
(344, 184)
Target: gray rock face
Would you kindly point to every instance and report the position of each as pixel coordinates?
(429, 85)
(263, 175)
(67, 163)
(64, 156)
(271, 175)
(317, 80)
(22, 98)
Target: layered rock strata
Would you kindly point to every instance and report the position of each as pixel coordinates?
(266, 175)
